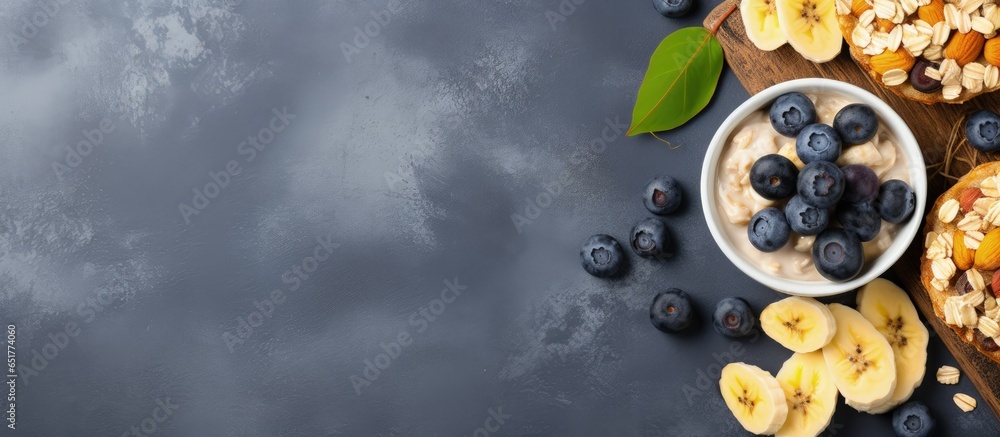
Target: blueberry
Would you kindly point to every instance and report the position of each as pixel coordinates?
(671, 311)
(774, 177)
(821, 184)
(673, 8)
(895, 201)
(805, 219)
(662, 195)
(861, 219)
(768, 230)
(912, 419)
(983, 131)
(602, 256)
(651, 239)
(856, 123)
(860, 183)
(838, 254)
(919, 79)
(817, 142)
(791, 112)
(733, 317)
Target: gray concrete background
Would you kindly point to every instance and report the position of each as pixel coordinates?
(407, 157)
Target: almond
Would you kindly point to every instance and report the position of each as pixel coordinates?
(968, 197)
(932, 12)
(888, 60)
(859, 6)
(992, 51)
(995, 284)
(884, 25)
(962, 255)
(988, 255)
(965, 47)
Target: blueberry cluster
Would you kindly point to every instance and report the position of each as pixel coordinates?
(672, 311)
(821, 193)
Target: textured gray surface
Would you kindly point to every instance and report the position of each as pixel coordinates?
(406, 159)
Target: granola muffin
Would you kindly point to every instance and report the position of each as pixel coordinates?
(962, 257)
(925, 50)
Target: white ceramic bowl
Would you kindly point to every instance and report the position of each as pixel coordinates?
(763, 100)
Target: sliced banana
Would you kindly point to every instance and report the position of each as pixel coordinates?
(810, 393)
(760, 19)
(892, 313)
(811, 27)
(754, 397)
(801, 324)
(860, 359)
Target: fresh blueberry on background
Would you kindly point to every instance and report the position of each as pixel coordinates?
(983, 131)
(913, 419)
(768, 230)
(662, 195)
(805, 219)
(671, 311)
(821, 184)
(602, 256)
(860, 183)
(733, 317)
(774, 177)
(838, 254)
(896, 201)
(856, 123)
(919, 79)
(818, 142)
(650, 238)
(861, 219)
(791, 112)
(673, 8)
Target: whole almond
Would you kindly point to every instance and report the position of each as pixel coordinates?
(992, 51)
(888, 60)
(859, 6)
(963, 256)
(988, 255)
(932, 12)
(965, 47)
(995, 285)
(968, 197)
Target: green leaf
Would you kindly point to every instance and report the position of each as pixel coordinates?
(681, 79)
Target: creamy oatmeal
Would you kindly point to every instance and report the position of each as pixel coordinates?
(755, 138)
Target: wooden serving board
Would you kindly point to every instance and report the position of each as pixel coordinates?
(931, 125)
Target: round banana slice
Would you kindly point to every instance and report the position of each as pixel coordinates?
(810, 393)
(811, 27)
(860, 359)
(754, 397)
(760, 19)
(800, 324)
(892, 313)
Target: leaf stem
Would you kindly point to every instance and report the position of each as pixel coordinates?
(718, 23)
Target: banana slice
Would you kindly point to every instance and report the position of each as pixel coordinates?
(801, 324)
(810, 393)
(860, 359)
(760, 19)
(811, 27)
(891, 311)
(754, 397)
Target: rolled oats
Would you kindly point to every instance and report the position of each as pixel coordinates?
(943, 269)
(948, 211)
(972, 239)
(895, 77)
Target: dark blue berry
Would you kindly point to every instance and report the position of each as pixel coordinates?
(983, 131)
(919, 79)
(673, 8)
(768, 230)
(733, 317)
(896, 201)
(861, 219)
(662, 195)
(821, 184)
(791, 112)
(774, 177)
(817, 142)
(856, 123)
(671, 311)
(602, 256)
(805, 219)
(860, 183)
(838, 254)
(913, 419)
(650, 238)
